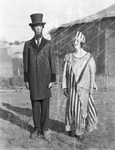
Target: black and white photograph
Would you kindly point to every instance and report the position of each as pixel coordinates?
(57, 75)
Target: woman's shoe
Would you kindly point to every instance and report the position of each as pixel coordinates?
(80, 137)
(69, 133)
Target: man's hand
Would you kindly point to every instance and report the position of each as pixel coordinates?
(50, 85)
(27, 85)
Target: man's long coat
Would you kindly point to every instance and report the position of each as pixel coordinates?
(39, 68)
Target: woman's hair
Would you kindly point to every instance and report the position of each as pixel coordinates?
(82, 44)
(80, 36)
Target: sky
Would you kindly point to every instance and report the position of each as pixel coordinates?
(15, 15)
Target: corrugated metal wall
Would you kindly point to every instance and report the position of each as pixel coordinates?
(95, 33)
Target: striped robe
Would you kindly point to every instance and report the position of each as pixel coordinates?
(80, 109)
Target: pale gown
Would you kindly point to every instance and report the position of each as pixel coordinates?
(80, 109)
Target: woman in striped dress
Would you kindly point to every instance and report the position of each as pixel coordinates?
(78, 84)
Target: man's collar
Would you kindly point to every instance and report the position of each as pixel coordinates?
(36, 39)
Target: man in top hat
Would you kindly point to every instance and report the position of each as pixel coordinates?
(39, 75)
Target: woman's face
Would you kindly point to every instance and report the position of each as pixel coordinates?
(77, 43)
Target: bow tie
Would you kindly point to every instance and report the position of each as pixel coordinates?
(38, 38)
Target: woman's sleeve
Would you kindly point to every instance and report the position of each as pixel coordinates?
(92, 66)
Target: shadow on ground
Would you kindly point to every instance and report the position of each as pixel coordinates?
(22, 111)
(9, 116)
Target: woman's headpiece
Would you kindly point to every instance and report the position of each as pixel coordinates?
(79, 36)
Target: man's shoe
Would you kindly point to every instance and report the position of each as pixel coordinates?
(40, 135)
(80, 137)
(36, 134)
(47, 135)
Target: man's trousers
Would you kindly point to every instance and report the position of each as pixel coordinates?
(40, 109)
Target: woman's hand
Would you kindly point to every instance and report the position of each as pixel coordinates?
(95, 86)
(91, 91)
(65, 92)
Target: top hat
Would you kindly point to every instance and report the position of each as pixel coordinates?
(36, 19)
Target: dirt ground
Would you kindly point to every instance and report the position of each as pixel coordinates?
(16, 124)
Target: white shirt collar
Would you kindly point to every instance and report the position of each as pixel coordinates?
(39, 40)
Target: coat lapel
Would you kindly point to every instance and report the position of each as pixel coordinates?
(42, 44)
(34, 46)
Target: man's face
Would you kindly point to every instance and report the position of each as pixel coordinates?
(38, 30)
